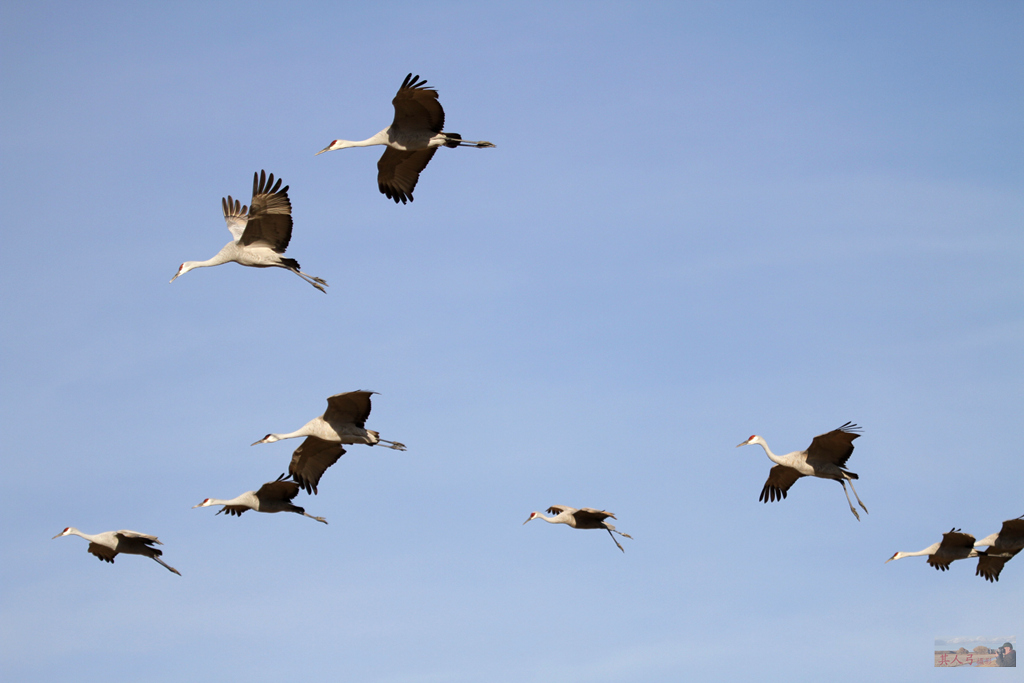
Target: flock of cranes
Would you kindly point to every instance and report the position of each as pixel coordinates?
(956, 545)
(261, 233)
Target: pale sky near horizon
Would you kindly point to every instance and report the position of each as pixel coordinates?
(701, 221)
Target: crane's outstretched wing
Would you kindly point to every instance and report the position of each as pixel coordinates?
(991, 564)
(236, 215)
(398, 172)
(952, 540)
(587, 514)
(1011, 535)
(310, 460)
(235, 510)
(270, 214)
(780, 478)
(148, 539)
(834, 447)
(351, 406)
(279, 489)
(559, 509)
(416, 107)
(102, 552)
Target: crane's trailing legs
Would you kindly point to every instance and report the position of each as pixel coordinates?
(389, 444)
(620, 534)
(317, 282)
(157, 559)
(455, 140)
(857, 497)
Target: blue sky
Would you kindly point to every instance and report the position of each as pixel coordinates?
(701, 221)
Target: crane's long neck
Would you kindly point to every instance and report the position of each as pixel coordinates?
(222, 256)
(380, 138)
(304, 431)
(89, 537)
(988, 540)
(771, 456)
(930, 550)
(237, 500)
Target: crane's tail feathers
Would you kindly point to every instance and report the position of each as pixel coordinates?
(454, 140)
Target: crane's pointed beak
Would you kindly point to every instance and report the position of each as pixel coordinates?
(58, 535)
(325, 149)
(742, 444)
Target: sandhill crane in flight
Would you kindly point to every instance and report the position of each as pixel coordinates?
(1002, 546)
(344, 422)
(274, 496)
(412, 138)
(825, 458)
(107, 545)
(955, 545)
(582, 518)
(261, 232)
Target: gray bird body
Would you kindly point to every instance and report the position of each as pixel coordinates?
(580, 518)
(274, 496)
(344, 422)
(107, 545)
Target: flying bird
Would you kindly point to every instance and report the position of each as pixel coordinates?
(1003, 545)
(411, 139)
(107, 545)
(344, 422)
(582, 518)
(955, 545)
(825, 458)
(274, 496)
(990, 563)
(261, 231)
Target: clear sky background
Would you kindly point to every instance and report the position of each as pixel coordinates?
(701, 221)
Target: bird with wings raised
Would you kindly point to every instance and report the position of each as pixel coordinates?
(261, 231)
(825, 458)
(411, 139)
(344, 422)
